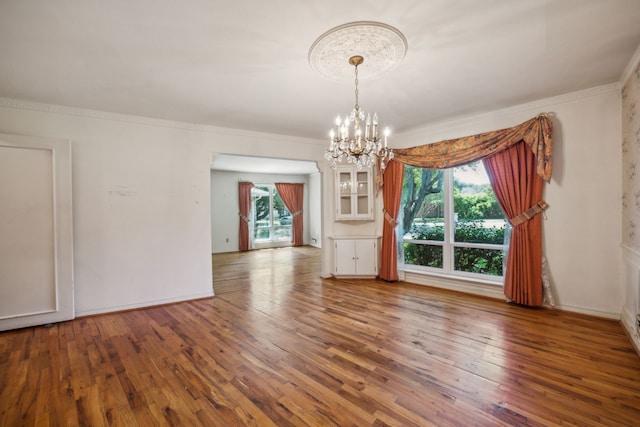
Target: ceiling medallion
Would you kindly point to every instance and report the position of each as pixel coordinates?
(383, 46)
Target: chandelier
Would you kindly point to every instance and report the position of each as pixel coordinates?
(356, 138)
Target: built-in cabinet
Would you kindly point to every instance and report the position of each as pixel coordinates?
(356, 256)
(354, 194)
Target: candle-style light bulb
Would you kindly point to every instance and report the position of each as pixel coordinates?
(367, 129)
(387, 132)
(337, 131)
(375, 125)
(345, 126)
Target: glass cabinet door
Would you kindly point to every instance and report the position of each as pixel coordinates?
(344, 189)
(362, 193)
(354, 199)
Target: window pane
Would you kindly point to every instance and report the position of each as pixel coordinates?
(280, 211)
(423, 204)
(282, 219)
(475, 260)
(480, 231)
(261, 196)
(261, 215)
(422, 254)
(478, 216)
(281, 233)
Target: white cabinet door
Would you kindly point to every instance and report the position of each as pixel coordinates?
(345, 257)
(365, 250)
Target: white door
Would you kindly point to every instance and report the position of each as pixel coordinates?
(36, 252)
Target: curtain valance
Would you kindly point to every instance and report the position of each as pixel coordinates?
(535, 132)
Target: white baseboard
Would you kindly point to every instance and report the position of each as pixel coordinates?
(631, 307)
(492, 291)
(588, 311)
(90, 312)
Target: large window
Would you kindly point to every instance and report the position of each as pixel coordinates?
(451, 223)
(271, 219)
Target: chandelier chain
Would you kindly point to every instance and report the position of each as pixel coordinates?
(357, 106)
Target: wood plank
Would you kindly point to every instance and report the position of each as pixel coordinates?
(278, 345)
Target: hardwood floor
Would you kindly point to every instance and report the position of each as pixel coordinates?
(278, 346)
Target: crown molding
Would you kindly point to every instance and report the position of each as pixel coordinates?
(93, 114)
(538, 105)
(148, 121)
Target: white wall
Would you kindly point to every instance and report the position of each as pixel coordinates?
(224, 205)
(582, 226)
(315, 209)
(141, 199)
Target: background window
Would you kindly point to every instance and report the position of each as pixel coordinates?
(271, 219)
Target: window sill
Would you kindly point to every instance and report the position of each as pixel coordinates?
(269, 244)
(469, 285)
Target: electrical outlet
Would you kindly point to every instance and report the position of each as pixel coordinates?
(227, 240)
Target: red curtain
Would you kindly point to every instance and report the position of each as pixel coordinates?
(244, 205)
(392, 190)
(518, 189)
(293, 197)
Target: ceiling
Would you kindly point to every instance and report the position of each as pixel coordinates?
(243, 64)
